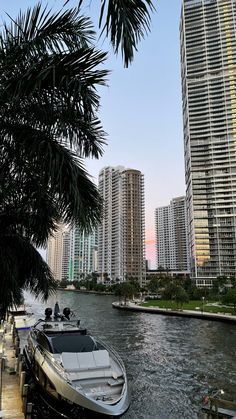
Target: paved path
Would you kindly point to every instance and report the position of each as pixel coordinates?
(11, 400)
(179, 313)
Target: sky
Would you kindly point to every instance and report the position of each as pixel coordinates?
(141, 109)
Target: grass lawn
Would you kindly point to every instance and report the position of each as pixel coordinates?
(191, 305)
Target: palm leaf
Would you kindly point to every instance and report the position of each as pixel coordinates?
(52, 89)
(38, 31)
(22, 267)
(125, 22)
(54, 166)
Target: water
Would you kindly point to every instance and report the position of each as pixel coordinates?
(171, 362)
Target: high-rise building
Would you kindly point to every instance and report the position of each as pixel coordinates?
(65, 255)
(121, 233)
(171, 236)
(162, 221)
(58, 253)
(83, 254)
(208, 69)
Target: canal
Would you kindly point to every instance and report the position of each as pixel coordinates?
(171, 362)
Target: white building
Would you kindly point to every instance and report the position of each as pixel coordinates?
(208, 69)
(121, 233)
(171, 236)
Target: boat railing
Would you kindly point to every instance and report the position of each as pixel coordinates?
(54, 362)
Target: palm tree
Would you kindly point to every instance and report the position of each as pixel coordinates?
(22, 267)
(48, 108)
(49, 73)
(48, 125)
(125, 23)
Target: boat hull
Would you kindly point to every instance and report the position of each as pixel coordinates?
(67, 399)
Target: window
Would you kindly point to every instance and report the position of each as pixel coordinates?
(74, 343)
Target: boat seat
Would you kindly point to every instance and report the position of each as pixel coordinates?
(101, 359)
(84, 361)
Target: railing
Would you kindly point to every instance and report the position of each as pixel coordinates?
(1, 368)
(1, 360)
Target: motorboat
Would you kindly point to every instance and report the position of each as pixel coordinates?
(21, 317)
(76, 371)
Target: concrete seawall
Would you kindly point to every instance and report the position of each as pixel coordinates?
(177, 313)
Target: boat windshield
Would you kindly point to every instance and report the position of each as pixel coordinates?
(74, 343)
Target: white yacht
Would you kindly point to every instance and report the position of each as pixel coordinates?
(76, 371)
(22, 318)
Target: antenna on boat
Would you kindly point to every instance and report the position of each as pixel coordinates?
(57, 311)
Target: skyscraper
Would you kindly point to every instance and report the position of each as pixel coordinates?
(162, 221)
(58, 253)
(121, 233)
(171, 236)
(83, 250)
(208, 70)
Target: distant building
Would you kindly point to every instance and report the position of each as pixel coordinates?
(58, 253)
(154, 273)
(121, 232)
(171, 236)
(208, 71)
(83, 254)
(162, 218)
(65, 255)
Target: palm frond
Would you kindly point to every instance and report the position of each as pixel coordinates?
(38, 31)
(22, 267)
(34, 216)
(59, 171)
(56, 91)
(126, 22)
(67, 78)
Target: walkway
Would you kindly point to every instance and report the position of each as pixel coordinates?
(11, 399)
(179, 313)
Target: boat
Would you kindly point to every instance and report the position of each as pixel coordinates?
(21, 317)
(75, 371)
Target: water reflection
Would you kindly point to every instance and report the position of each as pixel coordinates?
(171, 362)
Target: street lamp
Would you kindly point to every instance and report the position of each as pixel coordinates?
(217, 393)
(203, 298)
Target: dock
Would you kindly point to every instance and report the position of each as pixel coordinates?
(11, 402)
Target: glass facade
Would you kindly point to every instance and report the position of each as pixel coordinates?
(208, 72)
(82, 254)
(171, 235)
